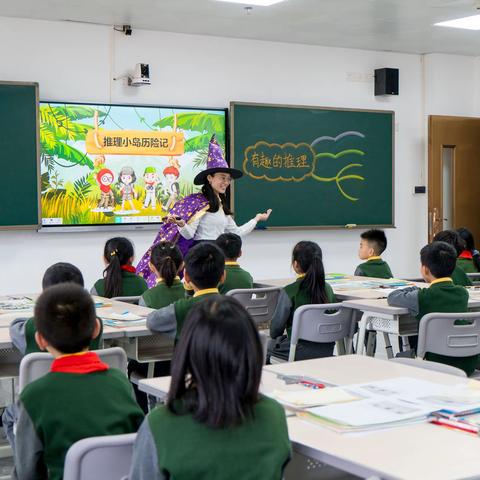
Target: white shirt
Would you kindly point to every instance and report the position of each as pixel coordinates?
(211, 225)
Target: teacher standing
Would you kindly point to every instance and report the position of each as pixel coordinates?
(202, 216)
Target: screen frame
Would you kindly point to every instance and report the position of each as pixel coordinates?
(124, 226)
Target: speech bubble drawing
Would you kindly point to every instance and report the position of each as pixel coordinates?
(289, 162)
(273, 162)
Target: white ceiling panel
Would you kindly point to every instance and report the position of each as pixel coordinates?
(391, 25)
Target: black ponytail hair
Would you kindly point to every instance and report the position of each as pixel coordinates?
(167, 259)
(212, 198)
(308, 255)
(467, 236)
(117, 252)
(217, 365)
(453, 238)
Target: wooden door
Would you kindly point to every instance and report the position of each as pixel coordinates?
(453, 174)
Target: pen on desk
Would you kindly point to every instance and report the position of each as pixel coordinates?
(444, 413)
(444, 422)
(313, 385)
(467, 412)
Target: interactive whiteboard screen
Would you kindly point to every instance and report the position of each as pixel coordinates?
(120, 164)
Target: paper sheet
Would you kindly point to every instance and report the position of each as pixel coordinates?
(308, 397)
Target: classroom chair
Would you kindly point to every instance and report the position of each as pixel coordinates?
(132, 299)
(435, 366)
(323, 323)
(100, 458)
(438, 333)
(260, 303)
(264, 341)
(35, 365)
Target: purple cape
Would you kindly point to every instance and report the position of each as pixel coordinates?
(185, 208)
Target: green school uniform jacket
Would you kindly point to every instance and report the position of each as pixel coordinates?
(299, 296)
(80, 397)
(295, 296)
(442, 297)
(459, 277)
(467, 265)
(161, 295)
(179, 448)
(374, 267)
(170, 319)
(236, 277)
(132, 285)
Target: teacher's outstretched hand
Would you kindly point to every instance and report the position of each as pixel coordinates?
(263, 217)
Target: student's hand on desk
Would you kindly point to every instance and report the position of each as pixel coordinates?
(263, 217)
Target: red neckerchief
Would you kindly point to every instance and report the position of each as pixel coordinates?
(466, 254)
(105, 188)
(87, 362)
(128, 268)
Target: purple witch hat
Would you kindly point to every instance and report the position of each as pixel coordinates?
(215, 163)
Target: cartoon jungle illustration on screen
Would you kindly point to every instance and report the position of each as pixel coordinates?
(106, 164)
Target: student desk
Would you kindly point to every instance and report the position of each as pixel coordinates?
(379, 316)
(137, 340)
(418, 451)
(361, 293)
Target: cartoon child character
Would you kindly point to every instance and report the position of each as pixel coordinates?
(150, 178)
(171, 187)
(105, 178)
(126, 180)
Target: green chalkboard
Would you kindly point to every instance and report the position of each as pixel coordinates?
(315, 167)
(19, 205)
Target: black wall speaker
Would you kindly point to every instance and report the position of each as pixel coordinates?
(386, 81)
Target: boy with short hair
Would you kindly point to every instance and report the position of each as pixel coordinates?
(22, 330)
(372, 244)
(80, 397)
(437, 265)
(236, 276)
(204, 271)
(451, 237)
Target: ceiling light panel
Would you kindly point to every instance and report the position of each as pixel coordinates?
(257, 3)
(468, 23)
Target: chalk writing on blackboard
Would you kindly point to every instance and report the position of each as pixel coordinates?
(290, 162)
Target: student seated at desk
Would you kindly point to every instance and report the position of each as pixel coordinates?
(80, 397)
(372, 244)
(204, 271)
(215, 424)
(119, 277)
(442, 296)
(451, 237)
(469, 259)
(166, 262)
(236, 276)
(309, 288)
(22, 330)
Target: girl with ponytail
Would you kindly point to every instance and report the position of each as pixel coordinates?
(166, 262)
(309, 288)
(469, 259)
(119, 278)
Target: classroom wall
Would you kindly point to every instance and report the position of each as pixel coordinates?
(77, 62)
(451, 84)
